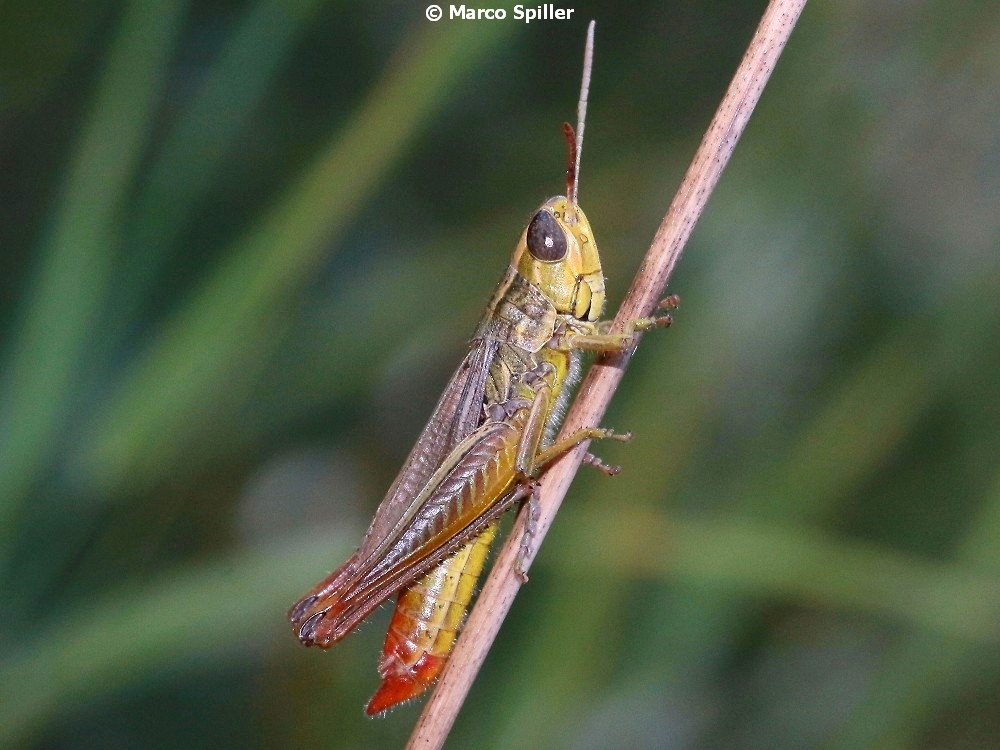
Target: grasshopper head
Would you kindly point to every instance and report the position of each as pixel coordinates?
(557, 254)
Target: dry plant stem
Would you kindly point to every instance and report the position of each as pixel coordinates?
(603, 378)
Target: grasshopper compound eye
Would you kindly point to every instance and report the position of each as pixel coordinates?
(545, 238)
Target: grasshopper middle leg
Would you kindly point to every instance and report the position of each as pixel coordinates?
(532, 459)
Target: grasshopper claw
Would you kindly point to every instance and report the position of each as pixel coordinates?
(671, 302)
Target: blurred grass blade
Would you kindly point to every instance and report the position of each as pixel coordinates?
(72, 280)
(867, 415)
(196, 615)
(761, 559)
(203, 137)
(924, 672)
(186, 369)
(862, 420)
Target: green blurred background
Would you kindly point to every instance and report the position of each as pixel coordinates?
(242, 247)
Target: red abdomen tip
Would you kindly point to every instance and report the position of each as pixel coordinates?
(402, 686)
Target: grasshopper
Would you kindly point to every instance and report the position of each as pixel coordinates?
(488, 439)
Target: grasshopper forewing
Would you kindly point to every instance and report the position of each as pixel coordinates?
(491, 434)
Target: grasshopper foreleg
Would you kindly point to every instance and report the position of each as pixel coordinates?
(654, 321)
(601, 339)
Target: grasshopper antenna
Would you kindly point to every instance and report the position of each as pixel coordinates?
(574, 141)
(581, 107)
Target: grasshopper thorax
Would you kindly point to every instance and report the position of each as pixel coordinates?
(558, 255)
